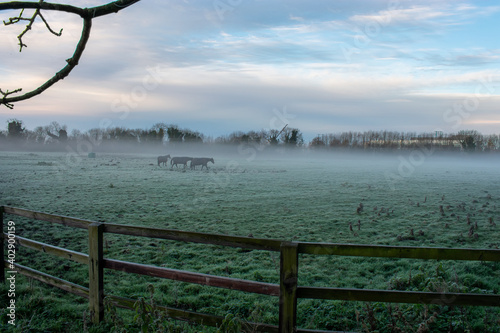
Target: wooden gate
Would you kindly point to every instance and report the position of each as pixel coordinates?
(288, 291)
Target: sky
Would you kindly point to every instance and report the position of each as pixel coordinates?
(220, 66)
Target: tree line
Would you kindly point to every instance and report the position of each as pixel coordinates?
(159, 133)
(466, 140)
(162, 133)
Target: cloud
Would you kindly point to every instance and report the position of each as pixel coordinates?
(296, 18)
(465, 58)
(429, 12)
(230, 70)
(400, 16)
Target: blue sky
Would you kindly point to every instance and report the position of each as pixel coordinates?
(219, 66)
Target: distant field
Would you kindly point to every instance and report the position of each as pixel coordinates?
(410, 199)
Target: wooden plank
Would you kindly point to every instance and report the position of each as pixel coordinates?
(196, 237)
(399, 252)
(78, 257)
(96, 274)
(289, 266)
(272, 244)
(393, 296)
(64, 220)
(51, 280)
(198, 278)
(288, 290)
(193, 317)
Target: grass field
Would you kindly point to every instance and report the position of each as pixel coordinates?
(410, 198)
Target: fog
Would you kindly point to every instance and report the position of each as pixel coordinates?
(253, 151)
(394, 164)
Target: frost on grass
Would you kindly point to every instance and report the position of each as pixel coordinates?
(337, 200)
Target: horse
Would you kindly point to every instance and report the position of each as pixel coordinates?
(180, 160)
(203, 161)
(163, 159)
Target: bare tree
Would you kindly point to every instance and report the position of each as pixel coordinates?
(62, 131)
(8, 97)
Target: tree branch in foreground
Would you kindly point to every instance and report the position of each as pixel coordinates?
(14, 20)
(87, 14)
(7, 93)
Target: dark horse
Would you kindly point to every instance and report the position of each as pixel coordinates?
(203, 161)
(180, 160)
(163, 159)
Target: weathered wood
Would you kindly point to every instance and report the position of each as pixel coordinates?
(96, 274)
(399, 252)
(193, 317)
(273, 244)
(51, 280)
(393, 296)
(287, 290)
(195, 237)
(64, 220)
(78, 257)
(289, 266)
(198, 278)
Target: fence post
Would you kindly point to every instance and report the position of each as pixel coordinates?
(289, 262)
(96, 276)
(2, 254)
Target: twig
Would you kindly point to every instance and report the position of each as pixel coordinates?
(58, 34)
(87, 14)
(14, 20)
(7, 93)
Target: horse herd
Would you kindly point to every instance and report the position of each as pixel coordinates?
(195, 161)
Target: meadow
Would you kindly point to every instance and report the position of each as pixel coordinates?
(407, 198)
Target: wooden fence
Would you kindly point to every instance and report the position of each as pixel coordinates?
(288, 291)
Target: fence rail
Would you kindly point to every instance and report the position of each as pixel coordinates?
(410, 252)
(198, 278)
(288, 291)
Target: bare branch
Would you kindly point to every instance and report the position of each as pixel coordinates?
(43, 6)
(7, 93)
(14, 20)
(87, 14)
(92, 12)
(72, 62)
(58, 34)
(28, 27)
